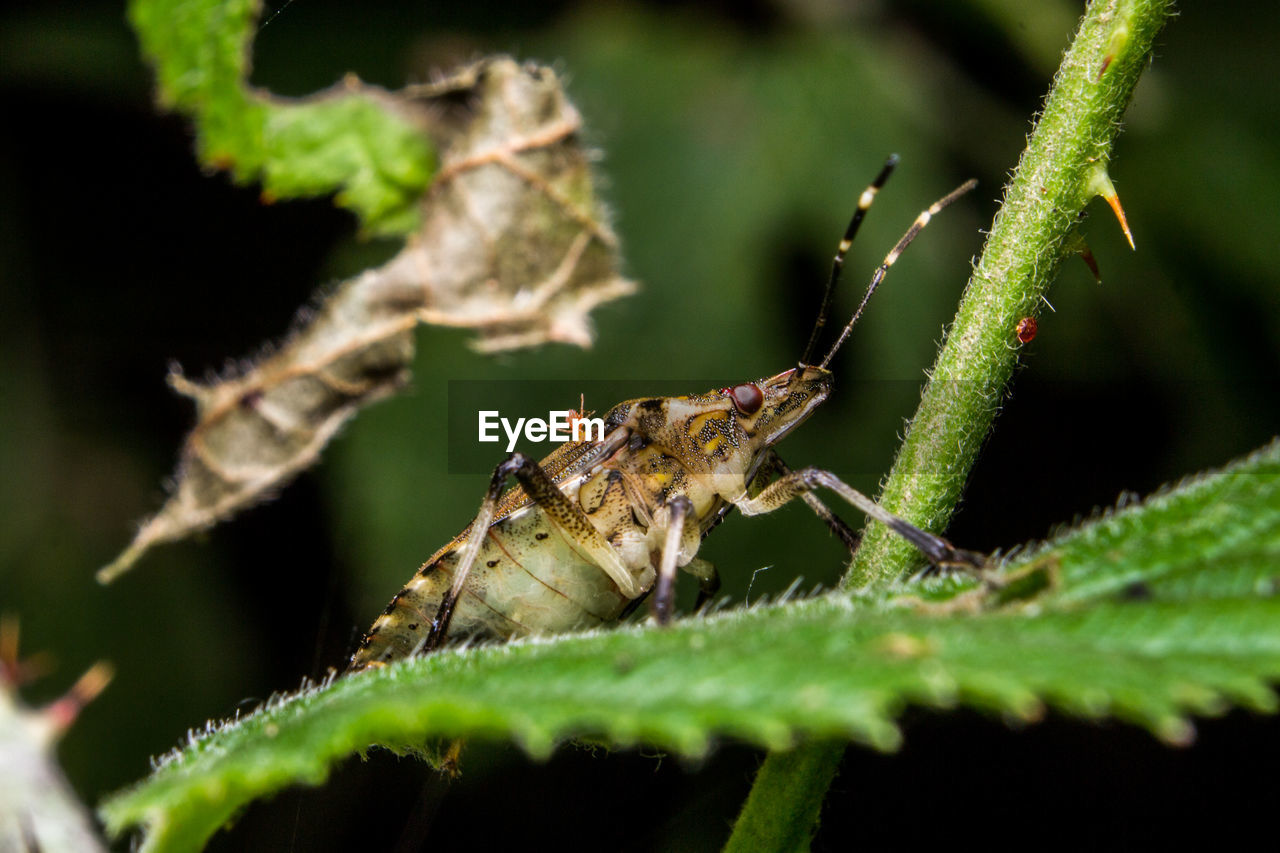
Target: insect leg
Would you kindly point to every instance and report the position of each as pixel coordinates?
(479, 529)
(708, 581)
(843, 531)
(561, 511)
(767, 469)
(678, 509)
(940, 552)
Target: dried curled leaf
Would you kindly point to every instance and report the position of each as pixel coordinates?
(512, 244)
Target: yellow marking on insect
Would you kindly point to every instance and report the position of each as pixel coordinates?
(661, 478)
(699, 422)
(710, 446)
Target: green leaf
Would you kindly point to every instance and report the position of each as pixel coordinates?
(352, 140)
(1145, 615)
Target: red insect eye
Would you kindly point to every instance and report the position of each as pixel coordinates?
(748, 398)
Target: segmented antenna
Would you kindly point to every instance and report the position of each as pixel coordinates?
(878, 276)
(837, 265)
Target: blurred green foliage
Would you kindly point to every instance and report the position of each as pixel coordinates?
(735, 144)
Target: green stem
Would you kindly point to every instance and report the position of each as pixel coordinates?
(802, 775)
(1062, 169)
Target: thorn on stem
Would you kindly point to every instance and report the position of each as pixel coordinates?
(63, 711)
(1086, 255)
(1077, 245)
(1113, 199)
(1099, 183)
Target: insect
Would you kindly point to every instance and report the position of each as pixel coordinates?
(1026, 330)
(596, 526)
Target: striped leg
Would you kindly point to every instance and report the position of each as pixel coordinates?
(678, 511)
(837, 525)
(941, 553)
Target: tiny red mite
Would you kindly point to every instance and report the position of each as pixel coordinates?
(1027, 329)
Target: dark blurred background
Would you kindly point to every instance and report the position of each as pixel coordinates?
(736, 138)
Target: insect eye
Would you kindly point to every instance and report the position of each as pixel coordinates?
(748, 398)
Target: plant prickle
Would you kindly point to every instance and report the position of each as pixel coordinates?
(596, 526)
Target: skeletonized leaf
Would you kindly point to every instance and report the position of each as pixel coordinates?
(1147, 614)
(512, 244)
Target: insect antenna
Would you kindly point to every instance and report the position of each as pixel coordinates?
(837, 265)
(878, 276)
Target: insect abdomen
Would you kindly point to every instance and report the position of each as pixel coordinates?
(527, 580)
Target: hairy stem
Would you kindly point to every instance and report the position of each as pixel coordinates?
(1063, 167)
(802, 777)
